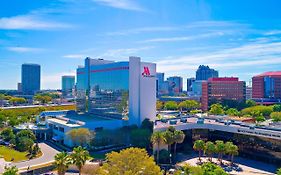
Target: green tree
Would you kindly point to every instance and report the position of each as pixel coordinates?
(27, 134)
(17, 100)
(24, 143)
(277, 108)
(157, 139)
(141, 137)
(278, 172)
(159, 105)
(147, 124)
(210, 149)
(212, 169)
(178, 138)
(169, 139)
(13, 170)
(130, 161)
(7, 134)
(171, 105)
(250, 103)
(275, 116)
(216, 109)
(62, 162)
(80, 136)
(79, 157)
(265, 110)
(220, 149)
(232, 112)
(231, 150)
(199, 146)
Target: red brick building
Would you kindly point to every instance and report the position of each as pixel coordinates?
(218, 89)
(267, 85)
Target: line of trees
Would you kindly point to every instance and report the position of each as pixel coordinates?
(170, 136)
(78, 157)
(219, 147)
(172, 105)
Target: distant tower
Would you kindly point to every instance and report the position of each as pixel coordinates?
(68, 83)
(204, 73)
(30, 78)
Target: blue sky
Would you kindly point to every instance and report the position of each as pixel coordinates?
(237, 37)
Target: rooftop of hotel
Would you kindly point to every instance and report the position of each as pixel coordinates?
(66, 122)
(272, 73)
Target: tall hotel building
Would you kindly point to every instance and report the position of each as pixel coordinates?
(267, 86)
(218, 89)
(120, 90)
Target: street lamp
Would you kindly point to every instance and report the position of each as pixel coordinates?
(170, 158)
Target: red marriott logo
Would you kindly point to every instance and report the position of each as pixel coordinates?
(146, 72)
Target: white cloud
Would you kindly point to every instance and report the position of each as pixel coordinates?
(76, 56)
(24, 49)
(248, 55)
(121, 4)
(29, 22)
(184, 38)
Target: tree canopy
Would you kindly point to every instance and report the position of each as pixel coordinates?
(216, 109)
(81, 136)
(130, 161)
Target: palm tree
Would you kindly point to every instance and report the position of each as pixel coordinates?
(220, 149)
(169, 139)
(227, 148)
(199, 146)
(79, 157)
(62, 162)
(179, 138)
(156, 139)
(233, 151)
(13, 170)
(210, 148)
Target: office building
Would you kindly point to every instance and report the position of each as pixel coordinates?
(218, 89)
(204, 73)
(159, 82)
(19, 88)
(175, 85)
(30, 78)
(68, 83)
(121, 90)
(197, 87)
(267, 86)
(249, 91)
(189, 84)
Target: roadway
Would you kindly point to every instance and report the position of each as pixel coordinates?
(48, 156)
(213, 124)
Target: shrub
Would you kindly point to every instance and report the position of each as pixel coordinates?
(265, 110)
(164, 156)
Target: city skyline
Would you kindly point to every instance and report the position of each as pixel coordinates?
(58, 35)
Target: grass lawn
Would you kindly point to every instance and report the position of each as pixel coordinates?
(9, 153)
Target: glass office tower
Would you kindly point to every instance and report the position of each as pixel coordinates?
(67, 84)
(30, 78)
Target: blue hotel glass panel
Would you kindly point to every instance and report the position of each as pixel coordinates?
(109, 90)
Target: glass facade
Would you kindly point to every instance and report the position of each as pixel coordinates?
(30, 78)
(268, 87)
(67, 85)
(109, 90)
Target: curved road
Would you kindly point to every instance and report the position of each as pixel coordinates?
(48, 155)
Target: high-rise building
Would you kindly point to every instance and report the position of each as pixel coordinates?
(218, 89)
(267, 85)
(189, 84)
(67, 82)
(159, 82)
(19, 88)
(204, 73)
(175, 85)
(249, 91)
(121, 90)
(30, 78)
